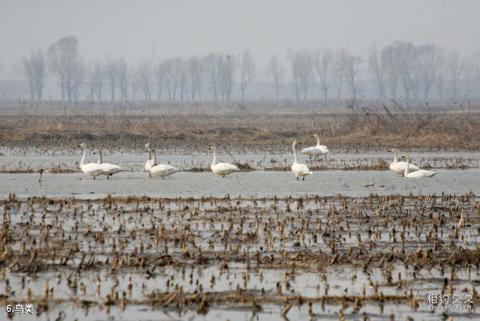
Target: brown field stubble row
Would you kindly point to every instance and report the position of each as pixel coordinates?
(246, 131)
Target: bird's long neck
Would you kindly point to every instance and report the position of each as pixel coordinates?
(318, 141)
(82, 161)
(154, 156)
(395, 158)
(214, 161)
(294, 153)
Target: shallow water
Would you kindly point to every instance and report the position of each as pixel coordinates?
(224, 229)
(211, 223)
(11, 159)
(257, 183)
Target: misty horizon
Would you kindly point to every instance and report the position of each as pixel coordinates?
(159, 30)
(187, 51)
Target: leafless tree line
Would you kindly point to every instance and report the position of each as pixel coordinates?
(34, 67)
(401, 70)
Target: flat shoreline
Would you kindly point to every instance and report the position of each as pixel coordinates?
(189, 130)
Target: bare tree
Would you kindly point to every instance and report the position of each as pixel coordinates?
(34, 67)
(247, 72)
(476, 70)
(348, 67)
(160, 78)
(181, 69)
(96, 80)
(323, 66)
(226, 70)
(399, 64)
(144, 74)
(428, 61)
(77, 80)
(134, 86)
(66, 63)
(122, 75)
(277, 72)
(111, 74)
(302, 63)
(29, 77)
(351, 66)
(440, 73)
(389, 63)
(340, 73)
(211, 63)
(172, 76)
(453, 74)
(471, 73)
(376, 69)
(175, 78)
(408, 70)
(195, 73)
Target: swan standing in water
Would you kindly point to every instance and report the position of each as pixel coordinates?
(297, 168)
(399, 167)
(317, 150)
(149, 163)
(417, 174)
(154, 169)
(92, 169)
(108, 168)
(221, 169)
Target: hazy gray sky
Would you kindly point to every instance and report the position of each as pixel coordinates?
(148, 28)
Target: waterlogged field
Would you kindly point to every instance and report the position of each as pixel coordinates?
(28, 160)
(208, 258)
(243, 225)
(354, 241)
(256, 183)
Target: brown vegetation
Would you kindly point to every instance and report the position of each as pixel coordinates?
(365, 129)
(244, 241)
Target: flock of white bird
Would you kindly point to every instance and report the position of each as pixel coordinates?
(300, 170)
(408, 170)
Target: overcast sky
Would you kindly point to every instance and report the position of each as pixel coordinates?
(159, 29)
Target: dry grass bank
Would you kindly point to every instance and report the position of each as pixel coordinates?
(359, 130)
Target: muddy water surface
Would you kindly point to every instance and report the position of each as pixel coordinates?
(257, 183)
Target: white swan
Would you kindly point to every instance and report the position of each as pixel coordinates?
(162, 170)
(400, 166)
(92, 169)
(317, 150)
(221, 169)
(149, 163)
(297, 168)
(417, 174)
(108, 168)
